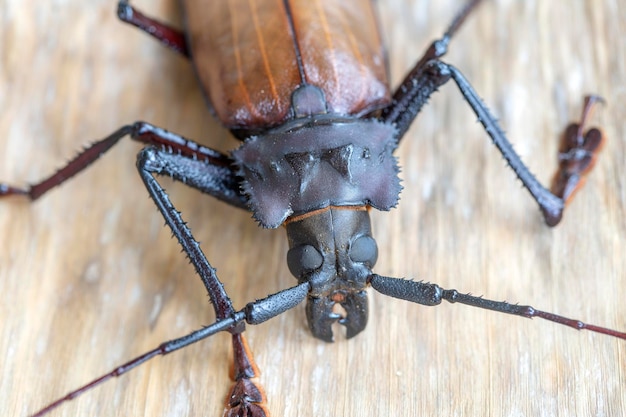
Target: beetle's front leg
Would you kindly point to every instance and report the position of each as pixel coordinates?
(205, 169)
(245, 398)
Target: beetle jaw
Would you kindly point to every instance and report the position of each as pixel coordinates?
(321, 313)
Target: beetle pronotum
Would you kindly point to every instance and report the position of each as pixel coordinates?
(70, 296)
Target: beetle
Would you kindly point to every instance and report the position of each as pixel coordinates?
(265, 290)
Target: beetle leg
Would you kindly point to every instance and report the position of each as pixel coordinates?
(419, 83)
(551, 205)
(245, 398)
(412, 95)
(581, 152)
(577, 153)
(201, 168)
(168, 36)
(205, 163)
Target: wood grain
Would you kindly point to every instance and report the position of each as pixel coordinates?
(90, 278)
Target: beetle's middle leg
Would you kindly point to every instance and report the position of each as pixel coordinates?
(576, 157)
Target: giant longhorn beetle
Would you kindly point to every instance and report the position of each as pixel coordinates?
(310, 112)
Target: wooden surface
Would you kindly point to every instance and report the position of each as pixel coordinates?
(90, 278)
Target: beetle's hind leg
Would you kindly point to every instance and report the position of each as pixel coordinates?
(420, 83)
(167, 35)
(245, 398)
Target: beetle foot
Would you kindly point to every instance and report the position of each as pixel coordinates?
(246, 399)
(578, 152)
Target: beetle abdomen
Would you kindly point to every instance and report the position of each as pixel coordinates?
(251, 55)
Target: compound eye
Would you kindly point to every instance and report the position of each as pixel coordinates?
(303, 259)
(364, 249)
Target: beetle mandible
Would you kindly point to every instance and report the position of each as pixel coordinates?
(425, 272)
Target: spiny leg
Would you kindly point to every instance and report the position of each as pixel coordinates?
(436, 73)
(417, 86)
(202, 168)
(245, 398)
(551, 206)
(578, 155)
(167, 35)
(429, 73)
(215, 174)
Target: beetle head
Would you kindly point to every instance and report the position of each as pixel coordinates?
(334, 251)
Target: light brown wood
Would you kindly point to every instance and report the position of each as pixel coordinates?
(90, 278)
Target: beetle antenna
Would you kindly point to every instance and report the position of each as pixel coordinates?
(429, 294)
(253, 313)
(163, 349)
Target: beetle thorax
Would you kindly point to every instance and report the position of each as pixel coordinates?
(333, 249)
(318, 161)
